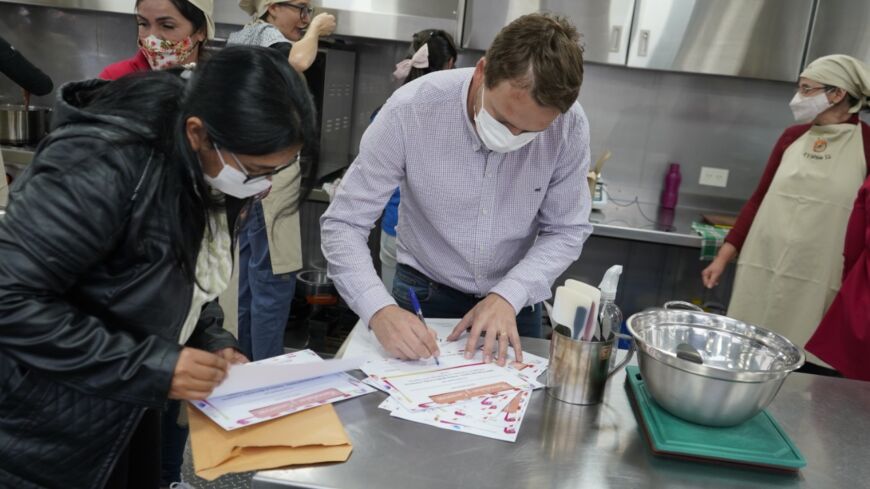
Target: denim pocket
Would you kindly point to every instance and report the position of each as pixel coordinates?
(407, 280)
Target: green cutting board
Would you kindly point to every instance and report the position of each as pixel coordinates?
(759, 442)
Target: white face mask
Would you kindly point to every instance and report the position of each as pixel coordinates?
(805, 109)
(232, 181)
(496, 136)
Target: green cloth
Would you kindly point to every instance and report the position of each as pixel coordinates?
(712, 238)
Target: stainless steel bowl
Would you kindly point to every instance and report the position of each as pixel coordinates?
(743, 366)
(20, 125)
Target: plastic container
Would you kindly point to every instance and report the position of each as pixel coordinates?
(610, 315)
(671, 190)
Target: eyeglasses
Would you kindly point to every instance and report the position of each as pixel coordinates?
(808, 89)
(260, 176)
(305, 11)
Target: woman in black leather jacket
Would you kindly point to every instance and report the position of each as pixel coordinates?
(115, 242)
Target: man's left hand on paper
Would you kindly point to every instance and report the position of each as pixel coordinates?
(495, 318)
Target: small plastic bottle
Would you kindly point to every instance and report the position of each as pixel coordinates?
(610, 316)
(672, 187)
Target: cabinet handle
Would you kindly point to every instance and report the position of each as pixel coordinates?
(643, 45)
(615, 38)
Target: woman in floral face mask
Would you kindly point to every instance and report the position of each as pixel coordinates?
(791, 234)
(171, 33)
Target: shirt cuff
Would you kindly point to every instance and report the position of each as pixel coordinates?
(372, 301)
(513, 292)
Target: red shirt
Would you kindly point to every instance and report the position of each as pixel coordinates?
(843, 337)
(125, 67)
(738, 233)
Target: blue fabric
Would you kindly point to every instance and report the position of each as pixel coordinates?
(264, 298)
(391, 215)
(440, 301)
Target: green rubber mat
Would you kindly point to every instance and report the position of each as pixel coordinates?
(759, 442)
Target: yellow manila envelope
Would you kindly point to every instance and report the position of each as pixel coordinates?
(307, 437)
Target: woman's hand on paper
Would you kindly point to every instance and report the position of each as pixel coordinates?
(403, 335)
(495, 318)
(196, 374)
(232, 356)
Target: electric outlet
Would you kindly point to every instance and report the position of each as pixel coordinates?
(714, 177)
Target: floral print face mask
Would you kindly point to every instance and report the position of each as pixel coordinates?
(162, 54)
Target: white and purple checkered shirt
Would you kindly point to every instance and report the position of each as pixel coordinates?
(471, 219)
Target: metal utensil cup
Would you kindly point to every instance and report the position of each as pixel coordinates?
(578, 370)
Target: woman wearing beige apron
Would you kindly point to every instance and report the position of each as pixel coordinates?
(790, 234)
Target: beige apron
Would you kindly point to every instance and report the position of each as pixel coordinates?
(282, 229)
(791, 264)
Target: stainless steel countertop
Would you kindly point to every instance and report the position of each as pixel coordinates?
(647, 222)
(565, 446)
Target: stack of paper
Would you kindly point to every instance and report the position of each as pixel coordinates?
(259, 391)
(457, 394)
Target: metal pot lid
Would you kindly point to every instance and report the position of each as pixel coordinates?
(729, 349)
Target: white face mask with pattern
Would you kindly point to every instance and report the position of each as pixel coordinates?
(495, 135)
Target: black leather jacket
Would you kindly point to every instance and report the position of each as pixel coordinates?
(91, 301)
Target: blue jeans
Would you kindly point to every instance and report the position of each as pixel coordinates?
(173, 438)
(264, 298)
(440, 301)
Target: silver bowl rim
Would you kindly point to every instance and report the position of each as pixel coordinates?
(710, 370)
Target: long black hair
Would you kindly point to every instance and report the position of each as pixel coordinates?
(250, 101)
(441, 50)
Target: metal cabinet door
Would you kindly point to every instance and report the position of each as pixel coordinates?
(484, 18)
(747, 38)
(840, 27)
(604, 24)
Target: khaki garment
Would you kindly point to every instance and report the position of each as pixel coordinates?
(791, 264)
(4, 187)
(282, 229)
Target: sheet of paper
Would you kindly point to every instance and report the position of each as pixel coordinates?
(504, 425)
(364, 344)
(283, 369)
(249, 407)
(429, 388)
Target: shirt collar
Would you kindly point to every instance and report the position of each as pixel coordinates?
(476, 143)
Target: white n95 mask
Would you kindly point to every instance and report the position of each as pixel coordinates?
(495, 135)
(232, 181)
(805, 109)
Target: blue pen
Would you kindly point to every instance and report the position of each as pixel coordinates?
(419, 311)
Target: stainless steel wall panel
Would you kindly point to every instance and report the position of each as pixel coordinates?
(841, 27)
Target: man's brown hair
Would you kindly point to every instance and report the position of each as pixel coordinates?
(540, 52)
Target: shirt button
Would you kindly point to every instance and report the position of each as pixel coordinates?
(484, 212)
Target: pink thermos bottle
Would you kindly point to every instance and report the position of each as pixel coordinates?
(672, 187)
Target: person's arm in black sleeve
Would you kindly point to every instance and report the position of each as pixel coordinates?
(22, 72)
(68, 213)
(209, 334)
